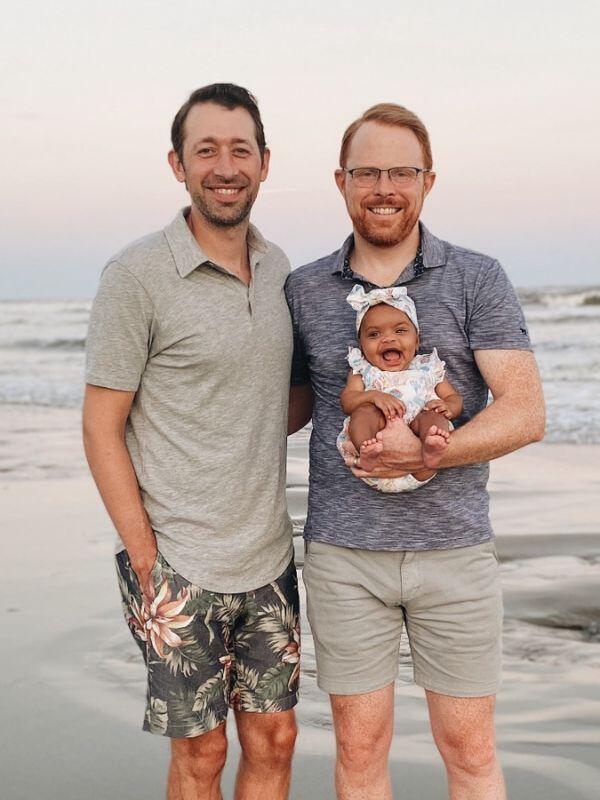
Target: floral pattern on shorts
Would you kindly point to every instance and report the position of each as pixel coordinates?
(205, 651)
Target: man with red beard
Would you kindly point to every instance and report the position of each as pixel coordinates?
(189, 342)
(426, 558)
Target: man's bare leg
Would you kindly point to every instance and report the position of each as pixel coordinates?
(196, 766)
(364, 725)
(463, 729)
(267, 742)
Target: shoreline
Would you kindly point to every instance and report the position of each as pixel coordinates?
(73, 684)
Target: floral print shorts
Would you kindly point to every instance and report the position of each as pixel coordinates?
(206, 651)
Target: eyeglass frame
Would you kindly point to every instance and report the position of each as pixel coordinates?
(418, 170)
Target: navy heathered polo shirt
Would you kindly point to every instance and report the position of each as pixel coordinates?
(465, 302)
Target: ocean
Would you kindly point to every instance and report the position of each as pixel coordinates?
(42, 354)
(548, 717)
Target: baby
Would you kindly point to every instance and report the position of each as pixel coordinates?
(389, 381)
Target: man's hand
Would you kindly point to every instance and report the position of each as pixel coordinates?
(142, 566)
(391, 407)
(402, 453)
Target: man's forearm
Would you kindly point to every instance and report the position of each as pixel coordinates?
(115, 478)
(499, 429)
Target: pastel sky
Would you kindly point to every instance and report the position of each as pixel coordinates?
(507, 89)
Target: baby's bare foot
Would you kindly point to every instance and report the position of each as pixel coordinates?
(434, 445)
(369, 450)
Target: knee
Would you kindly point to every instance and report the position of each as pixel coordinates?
(273, 745)
(358, 753)
(202, 756)
(473, 755)
(368, 411)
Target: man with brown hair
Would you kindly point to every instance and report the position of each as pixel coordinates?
(425, 558)
(189, 341)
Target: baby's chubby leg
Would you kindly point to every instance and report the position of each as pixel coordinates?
(432, 429)
(365, 423)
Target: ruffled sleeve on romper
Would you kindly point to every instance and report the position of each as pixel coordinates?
(358, 364)
(435, 369)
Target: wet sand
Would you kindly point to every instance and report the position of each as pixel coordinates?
(72, 685)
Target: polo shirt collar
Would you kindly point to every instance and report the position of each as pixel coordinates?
(433, 251)
(188, 254)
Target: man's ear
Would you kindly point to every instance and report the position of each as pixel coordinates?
(428, 182)
(266, 160)
(340, 179)
(177, 166)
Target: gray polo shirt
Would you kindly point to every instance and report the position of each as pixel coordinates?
(209, 360)
(465, 303)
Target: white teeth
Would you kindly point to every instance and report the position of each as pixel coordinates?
(384, 210)
(226, 191)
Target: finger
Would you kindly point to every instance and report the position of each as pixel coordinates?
(349, 448)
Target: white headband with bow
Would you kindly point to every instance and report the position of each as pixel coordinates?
(396, 296)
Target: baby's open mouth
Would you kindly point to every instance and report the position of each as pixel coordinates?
(391, 356)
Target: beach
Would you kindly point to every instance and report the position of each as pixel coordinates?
(73, 683)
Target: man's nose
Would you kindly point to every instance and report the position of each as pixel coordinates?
(384, 185)
(225, 166)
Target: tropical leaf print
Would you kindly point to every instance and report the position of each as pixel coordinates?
(188, 658)
(246, 676)
(244, 640)
(227, 607)
(189, 722)
(207, 694)
(157, 717)
(279, 622)
(271, 705)
(274, 682)
(192, 640)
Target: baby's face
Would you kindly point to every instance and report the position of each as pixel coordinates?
(388, 339)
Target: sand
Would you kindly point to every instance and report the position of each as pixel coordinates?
(72, 685)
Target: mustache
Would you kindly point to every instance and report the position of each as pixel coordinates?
(383, 204)
(223, 183)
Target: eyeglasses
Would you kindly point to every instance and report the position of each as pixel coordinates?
(367, 177)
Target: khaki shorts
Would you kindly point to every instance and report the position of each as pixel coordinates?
(449, 600)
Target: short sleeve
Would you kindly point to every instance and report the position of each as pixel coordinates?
(496, 319)
(356, 361)
(437, 368)
(119, 332)
(300, 371)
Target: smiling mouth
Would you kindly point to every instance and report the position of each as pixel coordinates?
(391, 356)
(385, 211)
(229, 191)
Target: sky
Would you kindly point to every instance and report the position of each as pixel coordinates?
(508, 91)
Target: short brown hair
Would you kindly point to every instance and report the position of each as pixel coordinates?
(389, 114)
(227, 95)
